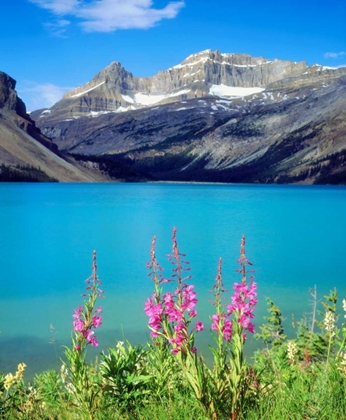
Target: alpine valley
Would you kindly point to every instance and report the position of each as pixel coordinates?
(213, 118)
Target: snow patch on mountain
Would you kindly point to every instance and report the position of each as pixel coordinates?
(128, 99)
(230, 91)
(86, 91)
(143, 99)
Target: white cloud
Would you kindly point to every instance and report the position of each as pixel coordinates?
(111, 15)
(37, 96)
(58, 7)
(334, 54)
(58, 27)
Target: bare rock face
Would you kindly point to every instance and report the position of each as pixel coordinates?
(237, 70)
(15, 109)
(8, 96)
(204, 74)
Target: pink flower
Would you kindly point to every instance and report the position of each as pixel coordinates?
(179, 327)
(168, 298)
(89, 335)
(199, 326)
(78, 325)
(193, 313)
(148, 306)
(230, 309)
(240, 288)
(227, 330)
(251, 328)
(216, 321)
(179, 340)
(243, 321)
(171, 313)
(243, 303)
(93, 342)
(96, 321)
(77, 312)
(174, 315)
(155, 322)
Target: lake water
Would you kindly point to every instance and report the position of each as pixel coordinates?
(295, 237)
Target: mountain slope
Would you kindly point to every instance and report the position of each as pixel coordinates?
(214, 117)
(27, 154)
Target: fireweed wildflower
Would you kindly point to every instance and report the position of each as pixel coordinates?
(77, 376)
(170, 314)
(86, 318)
(243, 300)
(220, 323)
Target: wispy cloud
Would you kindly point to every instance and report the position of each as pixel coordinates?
(43, 95)
(334, 54)
(58, 27)
(112, 15)
(58, 7)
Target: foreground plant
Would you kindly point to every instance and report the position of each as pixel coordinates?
(126, 380)
(160, 358)
(230, 324)
(170, 314)
(12, 391)
(304, 377)
(170, 318)
(81, 381)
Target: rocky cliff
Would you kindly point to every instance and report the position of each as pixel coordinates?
(25, 153)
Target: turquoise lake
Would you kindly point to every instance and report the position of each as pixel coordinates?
(295, 238)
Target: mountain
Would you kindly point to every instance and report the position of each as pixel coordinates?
(214, 117)
(209, 73)
(25, 153)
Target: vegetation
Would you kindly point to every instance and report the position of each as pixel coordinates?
(23, 173)
(114, 167)
(300, 378)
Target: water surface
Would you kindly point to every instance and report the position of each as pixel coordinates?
(295, 237)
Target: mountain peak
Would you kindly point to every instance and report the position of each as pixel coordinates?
(203, 74)
(8, 96)
(217, 57)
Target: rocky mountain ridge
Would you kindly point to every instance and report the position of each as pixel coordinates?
(214, 117)
(208, 73)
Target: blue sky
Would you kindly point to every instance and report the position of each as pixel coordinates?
(52, 46)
